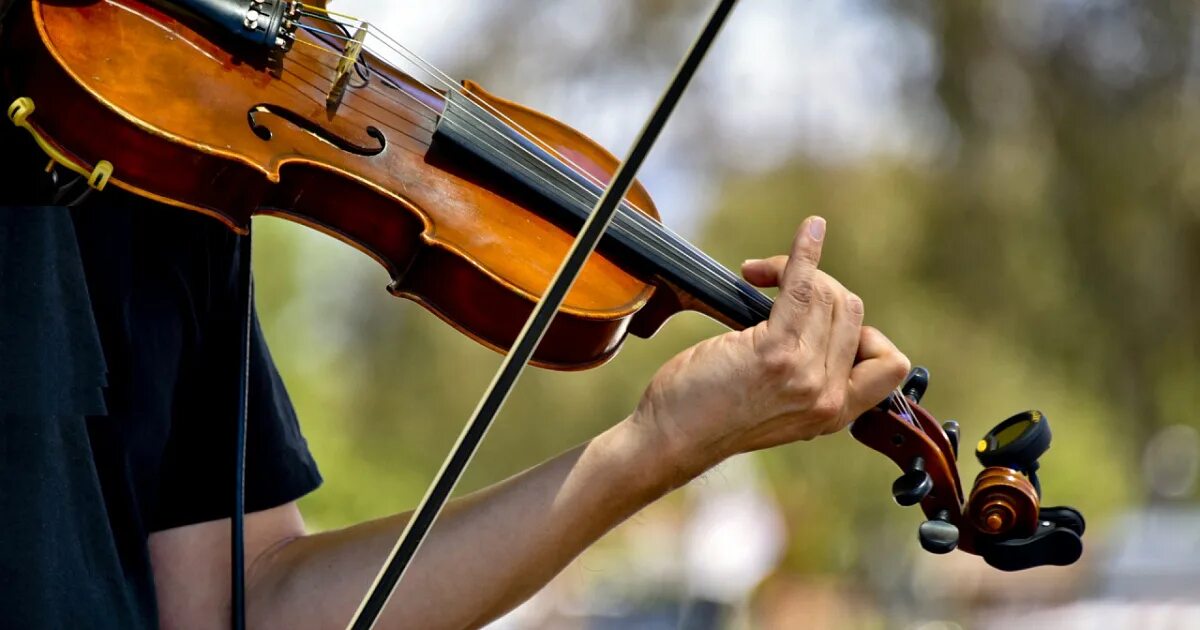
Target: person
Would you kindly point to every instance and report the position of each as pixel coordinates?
(119, 376)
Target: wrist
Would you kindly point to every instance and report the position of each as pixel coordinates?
(665, 452)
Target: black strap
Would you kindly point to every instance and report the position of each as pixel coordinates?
(237, 525)
(535, 327)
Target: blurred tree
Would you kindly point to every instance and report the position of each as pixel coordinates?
(1043, 254)
(1072, 182)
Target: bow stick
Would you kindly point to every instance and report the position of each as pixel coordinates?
(531, 335)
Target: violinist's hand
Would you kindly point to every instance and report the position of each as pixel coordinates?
(792, 377)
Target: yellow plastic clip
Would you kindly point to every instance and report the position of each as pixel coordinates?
(97, 177)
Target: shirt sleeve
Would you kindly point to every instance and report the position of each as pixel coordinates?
(196, 482)
(279, 466)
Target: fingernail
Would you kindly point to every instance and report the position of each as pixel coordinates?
(816, 228)
(751, 261)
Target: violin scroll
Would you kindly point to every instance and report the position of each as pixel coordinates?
(1003, 503)
(1001, 519)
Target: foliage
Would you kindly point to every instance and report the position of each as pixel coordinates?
(1044, 254)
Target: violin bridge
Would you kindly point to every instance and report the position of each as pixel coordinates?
(341, 77)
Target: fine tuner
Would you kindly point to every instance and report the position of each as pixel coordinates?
(1001, 519)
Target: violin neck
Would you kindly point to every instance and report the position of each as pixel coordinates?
(651, 248)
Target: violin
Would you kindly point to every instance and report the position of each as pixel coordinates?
(468, 200)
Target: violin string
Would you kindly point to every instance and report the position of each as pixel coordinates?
(903, 408)
(910, 413)
(705, 281)
(430, 114)
(724, 281)
(409, 127)
(640, 237)
(899, 400)
(418, 117)
(721, 278)
(435, 113)
(637, 216)
(450, 83)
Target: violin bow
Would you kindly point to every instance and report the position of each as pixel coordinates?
(417, 528)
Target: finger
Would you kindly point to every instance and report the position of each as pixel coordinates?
(844, 335)
(765, 272)
(798, 287)
(873, 344)
(881, 369)
(817, 323)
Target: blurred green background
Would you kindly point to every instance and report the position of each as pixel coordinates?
(1013, 188)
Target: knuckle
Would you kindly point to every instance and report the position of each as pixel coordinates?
(854, 304)
(803, 246)
(805, 386)
(809, 255)
(802, 291)
(829, 407)
(826, 293)
(778, 361)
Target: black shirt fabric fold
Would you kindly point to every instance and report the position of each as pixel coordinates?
(119, 376)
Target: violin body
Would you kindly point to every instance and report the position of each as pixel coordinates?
(186, 122)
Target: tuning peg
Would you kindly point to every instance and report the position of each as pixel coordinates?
(914, 485)
(938, 535)
(951, 429)
(915, 385)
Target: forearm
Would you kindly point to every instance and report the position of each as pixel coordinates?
(488, 552)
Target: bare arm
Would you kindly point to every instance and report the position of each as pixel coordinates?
(791, 378)
(489, 551)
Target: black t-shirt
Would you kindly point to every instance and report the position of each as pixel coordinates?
(119, 374)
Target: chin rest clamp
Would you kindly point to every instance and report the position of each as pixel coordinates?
(96, 177)
(1058, 541)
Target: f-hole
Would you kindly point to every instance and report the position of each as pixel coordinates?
(317, 131)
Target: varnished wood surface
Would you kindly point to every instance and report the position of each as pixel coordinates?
(1003, 503)
(120, 80)
(902, 442)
